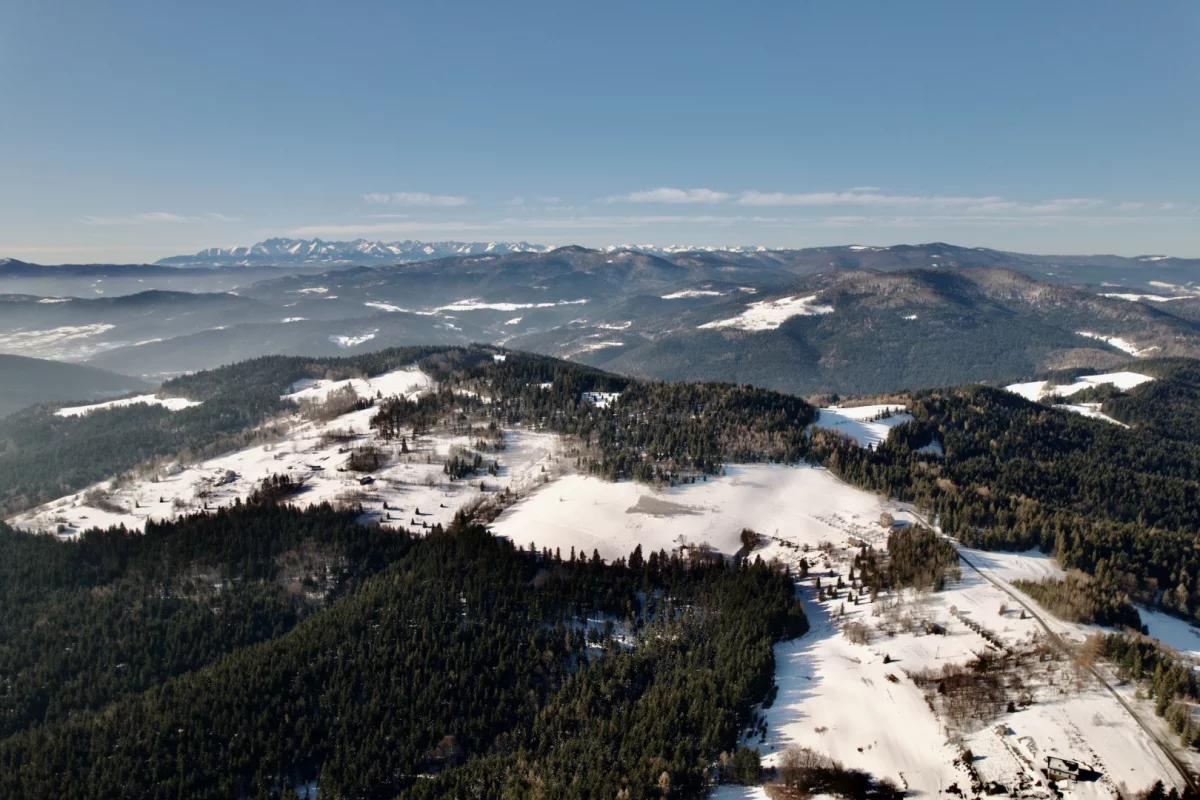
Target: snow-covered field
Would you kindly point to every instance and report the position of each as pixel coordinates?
(171, 403)
(792, 503)
(1119, 343)
(1172, 631)
(1036, 390)
(406, 382)
(767, 315)
(860, 422)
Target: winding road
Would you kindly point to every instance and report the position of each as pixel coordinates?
(1062, 646)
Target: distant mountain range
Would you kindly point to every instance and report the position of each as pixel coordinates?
(851, 319)
(360, 251)
(1119, 271)
(282, 252)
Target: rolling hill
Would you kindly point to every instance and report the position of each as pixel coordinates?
(28, 381)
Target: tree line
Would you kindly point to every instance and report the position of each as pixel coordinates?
(1122, 505)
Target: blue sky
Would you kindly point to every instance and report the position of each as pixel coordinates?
(131, 130)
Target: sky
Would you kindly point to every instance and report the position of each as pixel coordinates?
(131, 131)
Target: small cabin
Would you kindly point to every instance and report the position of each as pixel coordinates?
(366, 480)
(1065, 769)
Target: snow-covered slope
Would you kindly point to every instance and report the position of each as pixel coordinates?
(590, 514)
(867, 425)
(1121, 344)
(767, 315)
(412, 485)
(1037, 390)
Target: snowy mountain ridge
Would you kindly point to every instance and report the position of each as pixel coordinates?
(359, 251)
(283, 251)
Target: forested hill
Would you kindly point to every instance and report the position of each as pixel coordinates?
(1119, 503)
(1169, 406)
(451, 665)
(43, 456)
(663, 431)
(1122, 504)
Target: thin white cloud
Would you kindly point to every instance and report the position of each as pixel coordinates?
(1056, 206)
(1062, 204)
(516, 200)
(632, 221)
(857, 198)
(971, 221)
(1168, 206)
(866, 196)
(950, 217)
(415, 199)
(666, 194)
(388, 216)
(1128, 206)
(144, 218)
(549, 200)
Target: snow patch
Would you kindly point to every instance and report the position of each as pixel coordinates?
(691, 293)
(476, 304)
(1118, 342)
(860, 423)
(1153, 298)
(600, 399)
(171, 403)
(589, 347)
(407, 382)
(1090, 410)
(385, 306)
(352, 341)
(768, 315)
